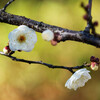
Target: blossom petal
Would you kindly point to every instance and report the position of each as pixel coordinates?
(48, 35)
(78, 79)
(29, 38)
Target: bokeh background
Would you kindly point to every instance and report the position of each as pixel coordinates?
(20, 81)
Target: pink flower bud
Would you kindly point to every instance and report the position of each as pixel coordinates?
(85, 17)
(6, 50)
(87, 7)
(94, 66)
(54, 43)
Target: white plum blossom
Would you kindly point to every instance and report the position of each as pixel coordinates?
(78, 79)
(48, 35)
(22, 38)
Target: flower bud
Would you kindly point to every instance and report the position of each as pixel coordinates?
(82, 4)
(54, 43)
(97, 60)
(94, 66)
(6, 50)
(92, 58)
(95, 23)
(85, 17)
(48, 35)
(87, 7)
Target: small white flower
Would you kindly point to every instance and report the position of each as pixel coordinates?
(78, 79)
(23, 38)
(48, 35)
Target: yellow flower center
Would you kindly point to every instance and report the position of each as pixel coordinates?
(21, 38)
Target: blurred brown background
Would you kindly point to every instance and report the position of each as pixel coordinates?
(20, 81)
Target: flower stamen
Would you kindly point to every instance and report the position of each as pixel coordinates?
(21, 38)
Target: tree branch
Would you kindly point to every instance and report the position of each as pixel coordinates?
(66, 34)
(46, 64)
(88, 17)
(80, 36)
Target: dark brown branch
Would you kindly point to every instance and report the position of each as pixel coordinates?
(46, 64)
(80, 36)
(88, 17)
(89, 21)
(8, 3)
(12, 52)
(89, 9)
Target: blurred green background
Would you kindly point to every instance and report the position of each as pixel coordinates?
(20, 81)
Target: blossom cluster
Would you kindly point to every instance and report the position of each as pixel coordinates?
(24, 38)
(81, 76)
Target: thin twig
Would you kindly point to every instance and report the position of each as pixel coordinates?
(88, 17)
(90, 7)
(8, 3)
(89, 14)
(46, 64)
(89, 21)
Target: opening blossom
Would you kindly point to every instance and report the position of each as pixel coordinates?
(78, 79)
(23, 38)
(6, 50)
(94, 66)
(48, 35)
